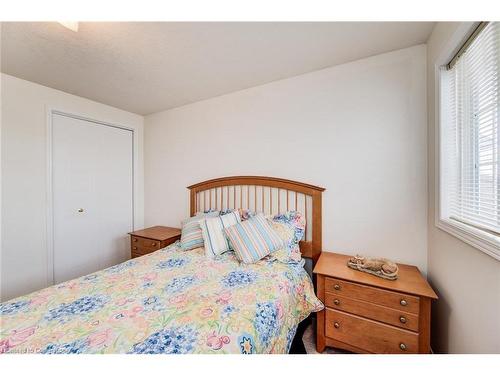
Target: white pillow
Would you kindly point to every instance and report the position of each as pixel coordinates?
(214, 237)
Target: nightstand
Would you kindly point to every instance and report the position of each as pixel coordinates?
(367, 314)
(147, 240)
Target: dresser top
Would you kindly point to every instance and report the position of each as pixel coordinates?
(158, 233)
(409, 280)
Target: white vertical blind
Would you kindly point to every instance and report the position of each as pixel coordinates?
(471, 138)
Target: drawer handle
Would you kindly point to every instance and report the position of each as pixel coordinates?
(403, 302)
(336, 325)
(336, 302)
(402, 346)
(134, 248)
(402, 319)
(153, 244)
(135, 239)
(336, 287)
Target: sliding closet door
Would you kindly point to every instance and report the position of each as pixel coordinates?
(92, 196)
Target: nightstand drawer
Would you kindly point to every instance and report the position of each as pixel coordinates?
(144, 244)
(370, 310)
(394, 300)
(134, 254)
(139, 251)
(370, 335)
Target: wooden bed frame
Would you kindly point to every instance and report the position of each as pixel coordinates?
(270, 195)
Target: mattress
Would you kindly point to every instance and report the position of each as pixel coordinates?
(170, 301)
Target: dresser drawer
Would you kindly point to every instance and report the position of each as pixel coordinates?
(372, 336)
(144, 244)
(370, 310)
(394, 300)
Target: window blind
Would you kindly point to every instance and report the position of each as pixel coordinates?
(471, 135)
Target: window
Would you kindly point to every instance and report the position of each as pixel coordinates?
(470, 140)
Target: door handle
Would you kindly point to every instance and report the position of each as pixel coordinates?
(80, 210)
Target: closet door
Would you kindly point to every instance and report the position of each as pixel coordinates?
(92, 196)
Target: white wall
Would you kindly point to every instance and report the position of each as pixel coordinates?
(357, 129)
(1, 183)
(24, 176)
(466, 317)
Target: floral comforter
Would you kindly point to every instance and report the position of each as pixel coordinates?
(170, 301)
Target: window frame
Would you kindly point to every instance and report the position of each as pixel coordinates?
(479, 239)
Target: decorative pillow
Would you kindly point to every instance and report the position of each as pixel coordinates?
(286, 233)
(247, 214)
(227, 211)
(191, 235)
(213, 233)
(290, 226)
(244, 213)
(253, 239)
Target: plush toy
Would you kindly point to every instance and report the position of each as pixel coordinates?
(380, 267)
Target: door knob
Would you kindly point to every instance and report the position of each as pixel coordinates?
(80, 210)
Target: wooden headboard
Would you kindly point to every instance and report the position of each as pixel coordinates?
(269, 195)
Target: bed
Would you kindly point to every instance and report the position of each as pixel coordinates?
(175, 301)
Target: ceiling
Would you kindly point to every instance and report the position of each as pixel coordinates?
(147, 67)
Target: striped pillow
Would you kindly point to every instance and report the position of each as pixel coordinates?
(213, 233)
(191, 236)
(253, 239)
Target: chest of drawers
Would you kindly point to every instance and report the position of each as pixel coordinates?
(367, 314)
(147, 240)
